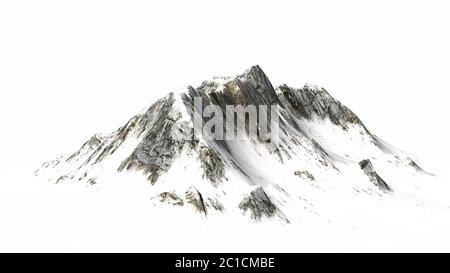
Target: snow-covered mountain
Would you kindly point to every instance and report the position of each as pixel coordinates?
(324, 159)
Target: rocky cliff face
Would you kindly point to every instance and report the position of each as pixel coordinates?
(315, 102)
(369, 170)
(317, 135)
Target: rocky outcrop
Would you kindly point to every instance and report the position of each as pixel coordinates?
(91, 145)
(414, 165)
(305, 175)
(250, 88)
(170, 198)
(195, 198)
(369, 170)
(214, 204)
(258, 204)
(313, 101)
(213, 167)
(156, 152)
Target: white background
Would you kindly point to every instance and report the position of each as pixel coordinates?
(69, 69)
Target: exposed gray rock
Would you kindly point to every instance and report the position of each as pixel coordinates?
(61, 179)
(110, 145)
(194, 198)
(157, 151)
(258, 204)
(92, 144)
(170, 198)
(215, 204)
(369, 170)
(414, 165)
(212, 165)
(92, 181)
(312, 101)
(305, 175)
(250, 88)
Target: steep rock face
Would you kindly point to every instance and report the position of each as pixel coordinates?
(258, 204)
(369, 170)
(312, 101)
(251, 87)
(92, 144)
(213, 167)
(156, 152)
(113, 142)
(195, 198)
(134, 128)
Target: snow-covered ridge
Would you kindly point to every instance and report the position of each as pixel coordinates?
(324, 152)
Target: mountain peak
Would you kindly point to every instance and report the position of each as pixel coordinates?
(255, 69)
(254, 74)
(252, 87)
(257, 178)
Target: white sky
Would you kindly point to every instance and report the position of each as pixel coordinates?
(69, 69)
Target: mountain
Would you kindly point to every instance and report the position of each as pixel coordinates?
(315, 156)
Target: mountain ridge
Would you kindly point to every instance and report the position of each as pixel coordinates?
(321, 141)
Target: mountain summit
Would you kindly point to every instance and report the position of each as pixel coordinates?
(322, 155)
